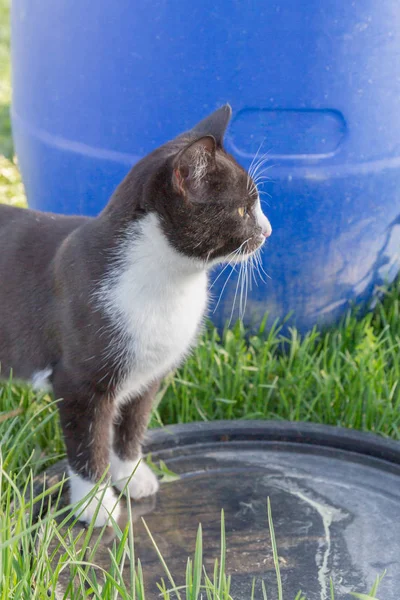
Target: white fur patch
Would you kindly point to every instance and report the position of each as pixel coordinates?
(262, 220)
(80, 488)
(155, 298)
(40, 380)
(141, 484)
(201, 165)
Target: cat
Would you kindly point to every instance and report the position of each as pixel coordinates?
(101, 309)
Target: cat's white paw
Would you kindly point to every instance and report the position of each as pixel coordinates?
(80, 488)
(142, 483)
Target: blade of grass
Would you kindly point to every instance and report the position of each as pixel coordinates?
(274, 551)
(160, 556)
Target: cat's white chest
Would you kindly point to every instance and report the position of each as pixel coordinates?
(160, 327)
(156, 304)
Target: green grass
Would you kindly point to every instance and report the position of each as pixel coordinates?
(29, 570)
(11, 188)
(5, 85)
(347, 376)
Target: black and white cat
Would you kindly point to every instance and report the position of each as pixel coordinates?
(102, 308)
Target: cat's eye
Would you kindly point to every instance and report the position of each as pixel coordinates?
(242, 210)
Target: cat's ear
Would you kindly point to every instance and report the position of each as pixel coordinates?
(193, 163)
(215, 124)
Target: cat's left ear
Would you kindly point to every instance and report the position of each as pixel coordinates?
(193, 164)
(215, 124)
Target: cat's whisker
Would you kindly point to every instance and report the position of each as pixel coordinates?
(243, 243)
(243, 278)
(242, 292)
(249, 181)
(254, 172)
(242, 283)
(255, 158)
(233, 254)
(262, 181)
(254, 266)
(261, 268)
(238, 252)
(235, 296)
(260, 274)
(246, 288)
(223, 289)
(264, 271)
(260, 173)
(247, 280)
(259, 165)
(257, 178)
(266, 201)
(253, 271)
(253, 189)
(253, 278)
(229, 264)
(260, 187)
(250, 272)
(260, 162)
(208, 257)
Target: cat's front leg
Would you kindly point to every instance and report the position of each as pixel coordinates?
(128, 469)
(86, 415)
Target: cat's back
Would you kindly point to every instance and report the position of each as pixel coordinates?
(28, 243)
(29, 240)
(22, 224)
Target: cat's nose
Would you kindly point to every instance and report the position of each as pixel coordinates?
(267, 229)
(262, 221)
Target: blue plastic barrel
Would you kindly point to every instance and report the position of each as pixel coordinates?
(97, 85)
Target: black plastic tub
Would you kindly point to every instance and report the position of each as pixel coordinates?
(335, 497)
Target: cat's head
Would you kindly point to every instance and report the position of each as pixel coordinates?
(207, 205)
